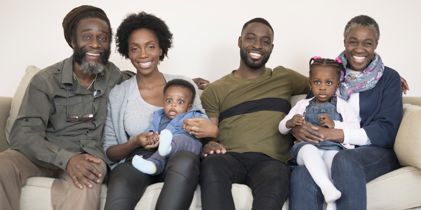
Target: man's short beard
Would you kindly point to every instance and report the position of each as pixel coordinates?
(252, 65)
(87, 67)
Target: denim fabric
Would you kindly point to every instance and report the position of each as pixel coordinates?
(311, 114)
(182, 141)
(314, 109)
(163, 123)
(325, 145)
(351, 170)
(179, 142)
(175, 125)
(268, 179)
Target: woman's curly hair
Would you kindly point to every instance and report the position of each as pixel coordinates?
(143, 20)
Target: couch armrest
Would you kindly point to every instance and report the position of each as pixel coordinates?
(4, 113)
(412, 100)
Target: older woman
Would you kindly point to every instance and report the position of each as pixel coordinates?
(375, 91)
(145, 40)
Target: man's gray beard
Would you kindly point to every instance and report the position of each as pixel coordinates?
(91, 69)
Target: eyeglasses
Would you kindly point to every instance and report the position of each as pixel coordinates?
(73, 118)
(80, 118)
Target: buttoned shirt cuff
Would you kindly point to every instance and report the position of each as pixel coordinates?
(62, 158)
(356, 137)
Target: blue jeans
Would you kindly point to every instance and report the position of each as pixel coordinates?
(351, 170)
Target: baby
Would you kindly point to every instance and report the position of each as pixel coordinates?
(168, 122)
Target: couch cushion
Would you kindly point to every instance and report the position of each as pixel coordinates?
(398, 189)
(17, 98)
(408, 139)
(36, 194)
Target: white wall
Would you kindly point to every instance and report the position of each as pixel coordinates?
(206, 32)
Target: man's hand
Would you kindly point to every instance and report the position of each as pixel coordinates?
(84, 170)
(201, 83)
(213, 147)
(307, 132)
(404, 85)
(200, 127)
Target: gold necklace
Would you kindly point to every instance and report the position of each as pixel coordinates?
(90, 85)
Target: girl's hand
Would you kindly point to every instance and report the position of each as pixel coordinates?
(294, 121)
(326, 121)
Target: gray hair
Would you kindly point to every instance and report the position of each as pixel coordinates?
(362, 20)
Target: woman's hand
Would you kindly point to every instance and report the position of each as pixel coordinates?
(200, 127)
(147, 140)
(404, 85)
(332, 134)
(213, 147)
(307, 132)
(201, 83)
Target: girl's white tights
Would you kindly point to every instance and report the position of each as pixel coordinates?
(318, 163)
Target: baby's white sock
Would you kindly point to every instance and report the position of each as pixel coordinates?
(331, 206)
(165, 139)
(145, 166)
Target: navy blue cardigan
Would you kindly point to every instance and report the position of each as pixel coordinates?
(381, 109)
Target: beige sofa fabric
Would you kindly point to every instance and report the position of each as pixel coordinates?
(399, 189)
(36, 194)
(4, 113)
(408, 140)
(17, 98)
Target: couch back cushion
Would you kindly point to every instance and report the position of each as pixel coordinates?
(408, 140)
(18, 97)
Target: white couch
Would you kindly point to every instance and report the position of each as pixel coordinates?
(399, 189)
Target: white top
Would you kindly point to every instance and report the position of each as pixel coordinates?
(138, 112)
(356, 136)
(350, 123)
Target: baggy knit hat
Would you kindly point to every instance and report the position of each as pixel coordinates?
(79, 13)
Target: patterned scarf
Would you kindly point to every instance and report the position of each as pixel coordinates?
(366, 80)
